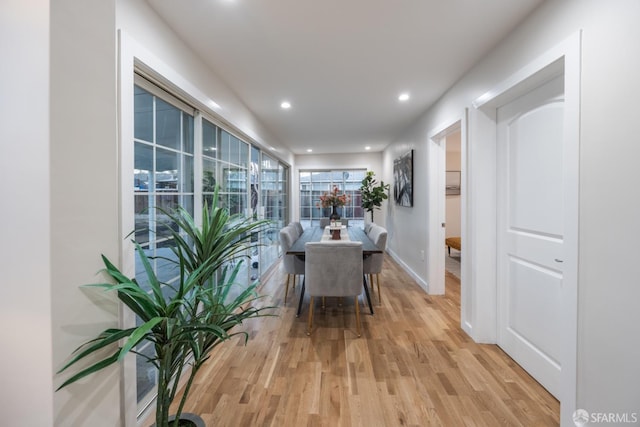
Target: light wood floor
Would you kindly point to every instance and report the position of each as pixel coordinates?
(413, 366)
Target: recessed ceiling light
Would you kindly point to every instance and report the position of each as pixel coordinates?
(309, 150)
(403, 97)
(367, 148)
(285, 105)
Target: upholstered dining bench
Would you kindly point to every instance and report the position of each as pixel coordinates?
(453, 242)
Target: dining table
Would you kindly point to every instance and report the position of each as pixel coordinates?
(320, 234)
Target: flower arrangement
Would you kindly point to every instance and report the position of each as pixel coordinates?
(333, 199)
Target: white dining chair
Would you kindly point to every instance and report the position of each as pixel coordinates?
(292, 265)
(333, 269)
(372, 265)
(297, 226)
(367, 227)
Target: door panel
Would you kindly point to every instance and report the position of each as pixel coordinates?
(534, 295)
(530, 231)
(535, 170)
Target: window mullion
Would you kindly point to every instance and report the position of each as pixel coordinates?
(197, 167)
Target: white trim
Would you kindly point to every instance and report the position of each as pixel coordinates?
(127, 252)
(566, 54)
(466, 260)
(197, 166)
(436, 197)
(154, 89)
(408, 269)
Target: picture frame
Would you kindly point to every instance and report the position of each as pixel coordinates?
(403, 180)
(452, 183)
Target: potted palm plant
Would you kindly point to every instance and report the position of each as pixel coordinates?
(372, 193)
(186, 323)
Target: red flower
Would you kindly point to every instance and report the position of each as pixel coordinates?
(332, 198)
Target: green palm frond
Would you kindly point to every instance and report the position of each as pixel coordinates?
(185, 325)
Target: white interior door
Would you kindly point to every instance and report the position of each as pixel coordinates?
(531, 239)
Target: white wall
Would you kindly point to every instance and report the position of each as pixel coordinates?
(407, 244)
(84, 198)
(608, 353)
(85, 178)
(25, 262)
(369, 161)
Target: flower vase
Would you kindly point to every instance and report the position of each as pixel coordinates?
(334, 214)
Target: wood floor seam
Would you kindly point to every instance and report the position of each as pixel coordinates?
(412, 366)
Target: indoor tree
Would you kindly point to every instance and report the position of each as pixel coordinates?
(373, 193)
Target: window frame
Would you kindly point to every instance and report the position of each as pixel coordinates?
(314, 194)
(149, 81)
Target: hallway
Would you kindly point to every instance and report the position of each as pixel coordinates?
(413, 366)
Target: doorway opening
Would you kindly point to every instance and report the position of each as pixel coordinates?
(452, 208)
(446, 197)
(526, 258)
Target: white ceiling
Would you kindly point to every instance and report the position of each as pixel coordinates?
(341, 63)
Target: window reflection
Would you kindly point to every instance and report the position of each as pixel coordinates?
(314, 183)
(163, 178)
(249, 183)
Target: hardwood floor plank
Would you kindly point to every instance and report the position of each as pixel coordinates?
(413, 366)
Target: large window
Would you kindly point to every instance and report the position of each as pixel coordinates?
(175, 166)
(314, 183)
(224, 163)
(163, 178)
(273, 185)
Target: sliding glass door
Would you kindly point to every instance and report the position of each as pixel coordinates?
(314, 184)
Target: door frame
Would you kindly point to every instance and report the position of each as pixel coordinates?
(563, 59)
(437, 201)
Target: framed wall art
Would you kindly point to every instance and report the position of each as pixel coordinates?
(452, 183)
(403, 179)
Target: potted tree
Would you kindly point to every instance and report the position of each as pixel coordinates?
(372, 193)
(186, 323)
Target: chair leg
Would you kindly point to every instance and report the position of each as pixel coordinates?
(286, 289)
(310, 316)
(378, 282)
(371, 282)
(357, 303)
(323, 306)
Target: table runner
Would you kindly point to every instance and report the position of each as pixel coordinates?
(326, 235)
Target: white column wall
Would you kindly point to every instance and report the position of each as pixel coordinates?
(84, 199)
(25, 261)
(608, 354)
(608, 292)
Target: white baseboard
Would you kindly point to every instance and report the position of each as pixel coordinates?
(424, 285)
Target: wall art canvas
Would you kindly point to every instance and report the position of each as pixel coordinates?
(403, 179)
(452, 183)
